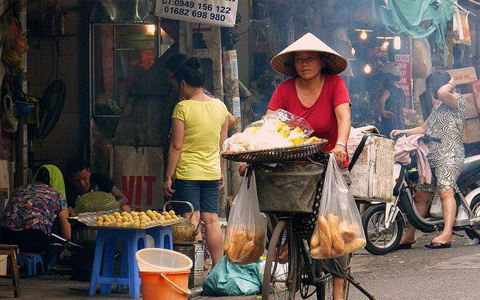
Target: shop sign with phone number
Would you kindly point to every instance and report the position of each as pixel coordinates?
(215, 12)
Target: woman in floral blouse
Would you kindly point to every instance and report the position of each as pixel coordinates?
(30, 214)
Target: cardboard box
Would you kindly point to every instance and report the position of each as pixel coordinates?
(471, 131)
(470, 106)
(476, 92)
(372, 174)
(463, 75)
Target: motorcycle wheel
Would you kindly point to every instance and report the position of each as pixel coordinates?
(475, 207)
(381, 240)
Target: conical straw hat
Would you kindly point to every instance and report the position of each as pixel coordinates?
(283, 62)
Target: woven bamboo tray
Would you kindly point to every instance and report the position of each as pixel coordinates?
(276, 154)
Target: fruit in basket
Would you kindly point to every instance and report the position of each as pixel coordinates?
(333, 238)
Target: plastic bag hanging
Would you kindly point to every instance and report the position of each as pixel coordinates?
(246, 231)
(9, 120)
(339, 228)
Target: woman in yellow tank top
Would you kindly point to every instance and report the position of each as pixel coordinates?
(199, 127)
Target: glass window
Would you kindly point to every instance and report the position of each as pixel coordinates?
(120, 55)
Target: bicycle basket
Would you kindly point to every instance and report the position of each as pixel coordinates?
(288, 187)
(278, 154)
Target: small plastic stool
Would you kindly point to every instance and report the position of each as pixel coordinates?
(162, 237)
(104, 255)
(32, 263)
(12, 251)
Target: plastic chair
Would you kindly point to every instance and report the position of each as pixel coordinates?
(162, 237)
(32, 263)
(104, 256)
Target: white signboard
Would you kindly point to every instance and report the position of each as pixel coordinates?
(138, 173)
(215, 12)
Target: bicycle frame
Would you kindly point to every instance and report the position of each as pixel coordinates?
(308, 271)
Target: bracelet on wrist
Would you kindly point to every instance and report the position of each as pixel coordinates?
(341, 144)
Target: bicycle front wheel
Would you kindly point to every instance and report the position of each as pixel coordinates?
(281, 269)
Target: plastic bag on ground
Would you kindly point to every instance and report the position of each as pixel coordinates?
(228, 279)
(339, 228)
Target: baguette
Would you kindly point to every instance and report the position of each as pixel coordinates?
(316, 251)
(354, 245)
(349, 231)
(246, 252)
(228, 234)
(236, 245)
(322, 224)
(315, 240)
(338, 243)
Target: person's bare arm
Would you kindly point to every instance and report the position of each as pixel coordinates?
(343, 115)
(383, 98)
(121, 199)
(65, 225)
(223, 137)
(446, 95)
(416, 130)
(231, 120)
(178, 131)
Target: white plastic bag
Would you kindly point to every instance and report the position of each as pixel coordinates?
(246, 230)
(279, 129)
(339, 228)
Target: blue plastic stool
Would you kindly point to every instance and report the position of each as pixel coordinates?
(162, 237)
(32, 263)
(104, 255)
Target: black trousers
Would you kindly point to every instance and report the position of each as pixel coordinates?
(28, 240)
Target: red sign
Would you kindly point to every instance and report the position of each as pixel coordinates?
(405, 65)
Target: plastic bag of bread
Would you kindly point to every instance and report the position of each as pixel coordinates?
(339, 228)
(245, 237)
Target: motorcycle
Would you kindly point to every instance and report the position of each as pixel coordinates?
(384, 222)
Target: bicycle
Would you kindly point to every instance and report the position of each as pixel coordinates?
(299, 272)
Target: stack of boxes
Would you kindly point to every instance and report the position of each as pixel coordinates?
(471, 133)
(467, 83)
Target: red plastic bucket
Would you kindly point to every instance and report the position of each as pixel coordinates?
(165, 286)
(164, 274)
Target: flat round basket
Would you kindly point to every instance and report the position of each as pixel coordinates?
(276, 154)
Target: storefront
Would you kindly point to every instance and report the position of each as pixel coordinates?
(110, 56)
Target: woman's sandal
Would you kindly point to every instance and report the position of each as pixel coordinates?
(434, 245)
(405, 246)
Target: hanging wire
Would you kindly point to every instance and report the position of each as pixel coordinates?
(465, 10)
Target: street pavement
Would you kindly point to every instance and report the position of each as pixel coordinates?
(418, 273)
(421, 273)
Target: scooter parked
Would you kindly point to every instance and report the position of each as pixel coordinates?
(384, 223)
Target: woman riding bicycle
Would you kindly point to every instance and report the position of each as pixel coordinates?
(445, 158)
(318, 95)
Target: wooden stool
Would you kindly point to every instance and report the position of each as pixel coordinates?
(12, 251)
